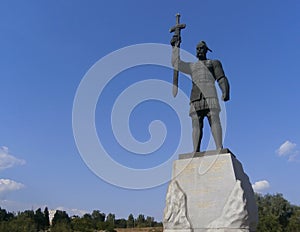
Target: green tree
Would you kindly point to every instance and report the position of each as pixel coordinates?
(111, 219)
(39, 219)
(23, 222)
(98, 216)
(98, 220)
(61, 227)
(84, 224)
(4, 215)
(27, 213)
(276, 214)
(120, 223)
(88, 221)
(269, 223)
(294, 221)
(61, 222)
(130, 221)
(149, 221)
(140, 221)
(46, 215)
(61, 217)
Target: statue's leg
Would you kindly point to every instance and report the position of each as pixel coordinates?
(215, 125)
(197, 123)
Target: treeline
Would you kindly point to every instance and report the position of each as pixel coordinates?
(38, 221)
(28, 221)
(276, 214)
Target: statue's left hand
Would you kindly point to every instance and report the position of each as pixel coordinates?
(224, 85)
(225, 97)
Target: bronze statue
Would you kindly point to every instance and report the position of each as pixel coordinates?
(203, 99)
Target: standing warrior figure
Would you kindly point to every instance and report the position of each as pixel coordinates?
(204, 99)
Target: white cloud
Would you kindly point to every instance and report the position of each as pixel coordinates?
(7, 185)
(294, 157)
(7, 160)
(287, 148)
(260, 186)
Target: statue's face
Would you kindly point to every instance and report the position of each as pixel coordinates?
(201, 52)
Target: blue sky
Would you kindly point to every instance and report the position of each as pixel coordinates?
(47, 47)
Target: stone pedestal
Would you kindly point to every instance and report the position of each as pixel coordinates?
(209, 192)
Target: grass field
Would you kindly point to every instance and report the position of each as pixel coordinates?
(147, 229)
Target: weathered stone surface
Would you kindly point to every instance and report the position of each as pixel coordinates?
(219, 196)
(175, 216)
(234, 213)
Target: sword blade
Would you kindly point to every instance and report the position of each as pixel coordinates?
(175, 82)
(176, 29)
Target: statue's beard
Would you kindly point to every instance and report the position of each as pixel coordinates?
(201, 56)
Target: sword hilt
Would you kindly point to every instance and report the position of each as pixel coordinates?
(178, 26)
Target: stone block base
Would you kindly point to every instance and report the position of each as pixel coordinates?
(211, 193)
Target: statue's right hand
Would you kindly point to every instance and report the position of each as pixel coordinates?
(175, 41)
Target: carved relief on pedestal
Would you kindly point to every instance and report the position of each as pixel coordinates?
(175, 213)
(234, 213)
